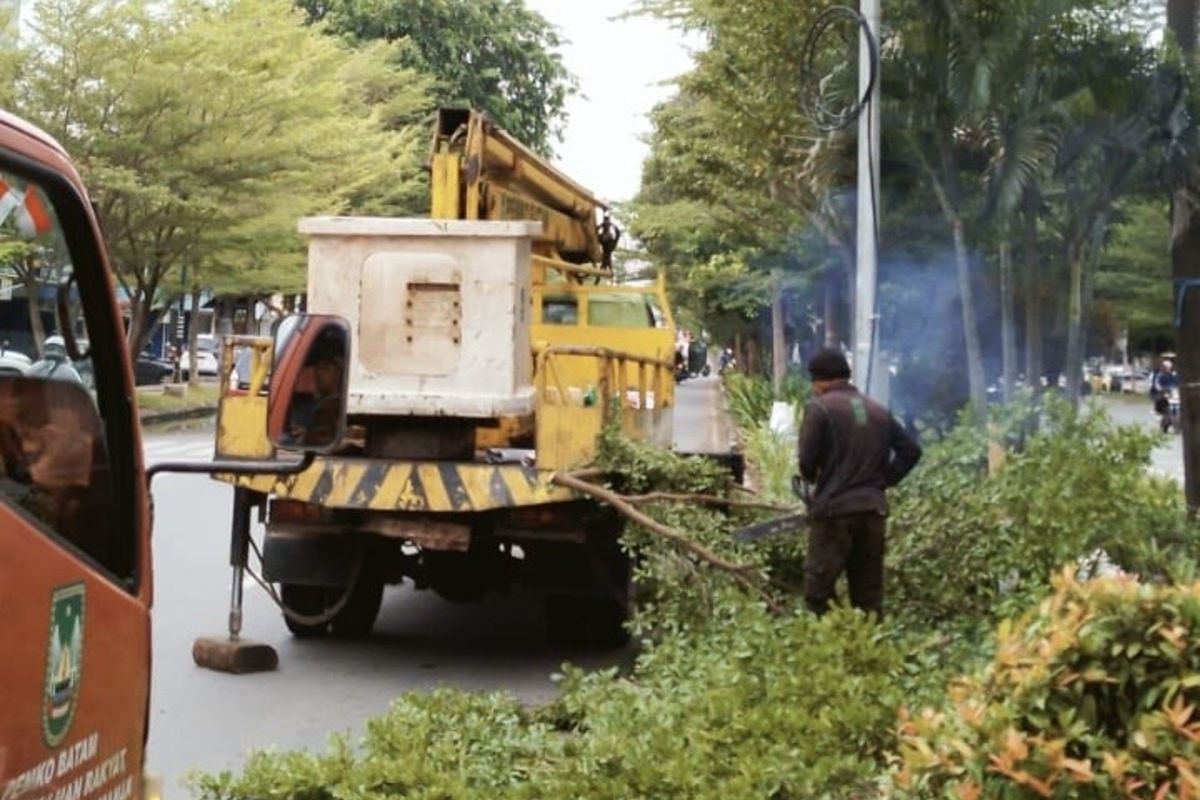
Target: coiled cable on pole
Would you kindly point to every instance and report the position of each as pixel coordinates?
(822, 109)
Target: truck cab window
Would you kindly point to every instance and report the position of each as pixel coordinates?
(560, 310)
(55, 467)
(621, 311)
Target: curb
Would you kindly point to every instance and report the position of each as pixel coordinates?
(196, 412)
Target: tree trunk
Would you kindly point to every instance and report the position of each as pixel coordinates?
(778, 340)
(1074, 359)
(141, 303)
(193, 333)
(1008, 335)
(33, 288)
(137, 325)
(1185, 268)
(831, 307)
(1181, 19)
(974, 354)
(1033, 299)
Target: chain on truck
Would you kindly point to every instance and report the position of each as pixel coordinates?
(490, 346)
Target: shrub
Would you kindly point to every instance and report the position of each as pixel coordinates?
(750, 396)
(1091, 696)
(727, 700)
(965, 545)
(748, 706)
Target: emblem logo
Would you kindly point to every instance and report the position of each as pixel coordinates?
(64, 663)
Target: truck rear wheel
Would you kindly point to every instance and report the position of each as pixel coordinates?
(307, 600)
(353, 620)
(357, 616)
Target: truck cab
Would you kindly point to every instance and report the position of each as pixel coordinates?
(75, 566)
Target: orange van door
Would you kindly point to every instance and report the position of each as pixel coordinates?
(74, 588)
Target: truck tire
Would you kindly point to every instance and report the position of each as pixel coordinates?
(357, 616)
(353, 621)
(308, 600)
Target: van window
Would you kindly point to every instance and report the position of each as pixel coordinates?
(55, 465)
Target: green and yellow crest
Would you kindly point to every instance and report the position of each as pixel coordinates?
(64, 662)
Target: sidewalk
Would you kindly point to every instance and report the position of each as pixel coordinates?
(171, 402)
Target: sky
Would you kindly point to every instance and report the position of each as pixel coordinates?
(621, 66)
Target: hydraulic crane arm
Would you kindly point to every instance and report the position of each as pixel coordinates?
(480, 172)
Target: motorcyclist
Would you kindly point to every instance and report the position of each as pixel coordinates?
(727, 360)
(1165, 381)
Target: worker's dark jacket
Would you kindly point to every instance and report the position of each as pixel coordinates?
(852, 449)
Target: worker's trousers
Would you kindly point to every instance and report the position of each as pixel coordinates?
(852, 544)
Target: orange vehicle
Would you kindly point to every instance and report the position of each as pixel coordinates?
(74, 513)
(75, 566)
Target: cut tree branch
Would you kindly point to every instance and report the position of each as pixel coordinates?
(704, 499)
(739, 572)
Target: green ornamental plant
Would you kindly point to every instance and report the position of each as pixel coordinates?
(1092, 695)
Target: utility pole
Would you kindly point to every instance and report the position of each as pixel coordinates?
(866, 258)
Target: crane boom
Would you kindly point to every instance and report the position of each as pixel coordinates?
(480, 172)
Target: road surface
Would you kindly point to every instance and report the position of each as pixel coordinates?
(1130, 409)
(206, 720)
(701, 423)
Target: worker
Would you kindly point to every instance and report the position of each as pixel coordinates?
(851, 450)
(609, 235)
(314, 419)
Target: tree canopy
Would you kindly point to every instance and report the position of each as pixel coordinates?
(1017, 138)
(496, 55)
(204, 131)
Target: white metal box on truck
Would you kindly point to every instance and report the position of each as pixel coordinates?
(440, 312)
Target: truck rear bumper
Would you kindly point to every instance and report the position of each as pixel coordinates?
(389, 485)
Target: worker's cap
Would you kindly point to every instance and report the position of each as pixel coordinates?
(828, 364)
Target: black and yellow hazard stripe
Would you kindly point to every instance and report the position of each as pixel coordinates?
(378, 485)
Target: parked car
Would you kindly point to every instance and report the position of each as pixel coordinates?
(13, 362)
(1110, 377)
(149, 370)
(207, 362)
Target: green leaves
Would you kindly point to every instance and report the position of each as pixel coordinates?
(204, 130)
(1093, 695)
(496, 55)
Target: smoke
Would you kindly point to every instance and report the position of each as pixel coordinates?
(921, 333)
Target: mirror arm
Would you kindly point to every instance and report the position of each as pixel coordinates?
(232, 467)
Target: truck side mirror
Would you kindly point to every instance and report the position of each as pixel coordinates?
(306, 408)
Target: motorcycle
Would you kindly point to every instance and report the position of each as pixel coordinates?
(1167, 406)
(727, 362)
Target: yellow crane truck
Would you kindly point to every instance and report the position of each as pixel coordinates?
(490, 345)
